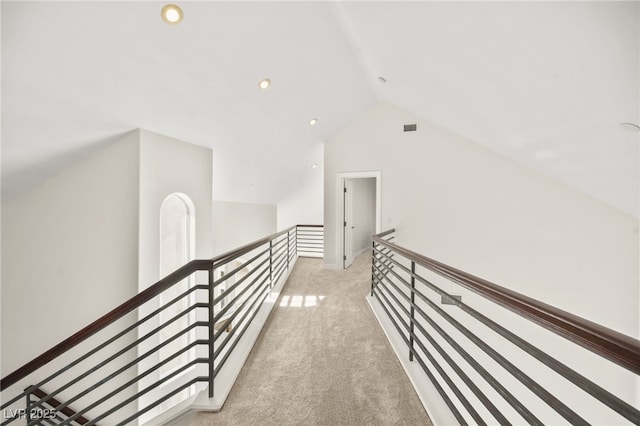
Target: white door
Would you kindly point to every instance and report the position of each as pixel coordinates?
(348, 223)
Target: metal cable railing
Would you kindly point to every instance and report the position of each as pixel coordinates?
(483, 371)
(166, 344)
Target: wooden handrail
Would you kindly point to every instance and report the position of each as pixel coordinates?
(102, 322)
(53, 402)
(133, 303)
(235, 253)
(610, 344)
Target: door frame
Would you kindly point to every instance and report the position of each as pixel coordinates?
(339, 231)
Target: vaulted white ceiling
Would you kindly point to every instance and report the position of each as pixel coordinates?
(546, 84)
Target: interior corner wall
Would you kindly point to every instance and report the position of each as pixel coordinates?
(237, 224)
(69, 251)
(303, 204)
(170, 166)
(455, 201)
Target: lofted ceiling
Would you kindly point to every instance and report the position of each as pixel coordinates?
(546, 84)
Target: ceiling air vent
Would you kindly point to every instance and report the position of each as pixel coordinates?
(410, 127)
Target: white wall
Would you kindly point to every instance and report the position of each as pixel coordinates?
(69, 251)
(70, 256)
(303, 204)
(457, 202)
(364, 213)
(237, 224)
(167, 166)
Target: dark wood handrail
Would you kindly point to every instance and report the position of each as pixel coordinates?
(235, 253)
(610, 344)
(102, 322)
(53, 402)
(133, 303)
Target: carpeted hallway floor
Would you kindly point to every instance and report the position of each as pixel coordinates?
(322, 359)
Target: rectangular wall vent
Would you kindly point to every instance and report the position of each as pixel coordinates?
(410, 127)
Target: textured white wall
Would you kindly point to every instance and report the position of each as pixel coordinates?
(70, 256)
(462, 204)
(237, 224)
(69, 251)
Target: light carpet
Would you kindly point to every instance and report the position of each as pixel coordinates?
(322, 359)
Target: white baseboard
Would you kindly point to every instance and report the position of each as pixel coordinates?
(431, 400)
(361, 251)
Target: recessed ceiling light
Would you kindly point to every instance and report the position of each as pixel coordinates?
(171, 14)
(314, 166)
(313, 121)
(382, 79)
(264, 83)
(630, 127)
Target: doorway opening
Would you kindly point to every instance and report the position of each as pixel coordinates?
(358, 214)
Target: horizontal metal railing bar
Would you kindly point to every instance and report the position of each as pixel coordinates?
(234, 254)
(279, 266)
(278, 257)
(230, 274)
(381, 256)
(53, 402)
(106, 343)
(452, 386)
(131, 345)
(432, 378)
(231, 303)
(461, 374)
(604, 396)
(238, 283)
(259, 289)
(610, 344)
(242, 331)
(525, 379)
(280, 244)
(140, 377)
(278, 253)
(383, 234)
(286, 244)
(149, 388)
(607, 398)
(255, 289)
(502, 391)
(280, 270)
(310, 226)
(134, 362)
(164, 398)
(105, 320)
